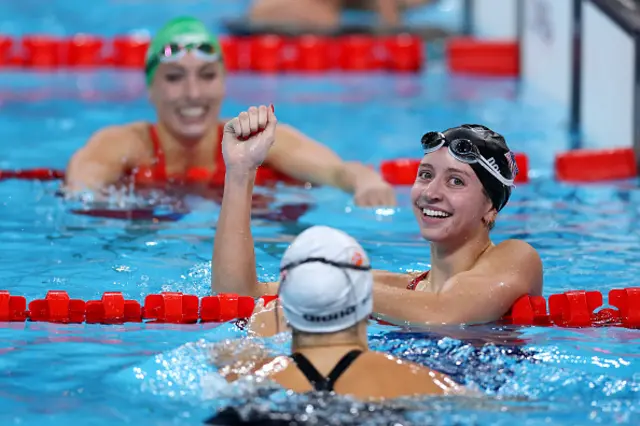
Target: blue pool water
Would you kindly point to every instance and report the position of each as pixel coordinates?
(152, 374)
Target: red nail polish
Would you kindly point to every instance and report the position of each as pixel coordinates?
(273, 109)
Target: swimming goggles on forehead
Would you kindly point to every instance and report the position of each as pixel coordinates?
(173, 52)
(464, 151)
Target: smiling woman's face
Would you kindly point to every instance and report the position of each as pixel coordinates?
(448, 199)
(188, 95)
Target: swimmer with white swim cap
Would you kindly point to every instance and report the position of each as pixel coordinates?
(326, 298)
(465, 178)
(186, 83)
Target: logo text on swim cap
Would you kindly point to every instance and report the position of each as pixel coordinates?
(511, 161)
(493, 164)
(330, 317)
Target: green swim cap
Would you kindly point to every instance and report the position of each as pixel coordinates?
(183, 30)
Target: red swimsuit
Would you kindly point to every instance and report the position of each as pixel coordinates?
(157, 173)
(414, 282)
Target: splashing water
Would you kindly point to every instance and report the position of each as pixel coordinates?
(515, 380)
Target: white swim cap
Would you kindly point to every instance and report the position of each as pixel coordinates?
(326, 284)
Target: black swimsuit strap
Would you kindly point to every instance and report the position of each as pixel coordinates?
(309, 371)
(318, 382)
(342, 365)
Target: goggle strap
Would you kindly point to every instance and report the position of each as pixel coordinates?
(341, 265)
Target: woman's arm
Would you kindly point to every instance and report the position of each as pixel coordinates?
(483, 294)
(247, 139)
(102, 161)
(305, 159)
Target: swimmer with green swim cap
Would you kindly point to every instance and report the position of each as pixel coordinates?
(175, 39)
(186, 82)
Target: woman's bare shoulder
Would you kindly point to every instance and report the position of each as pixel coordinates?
(414, 376)
(395, 279)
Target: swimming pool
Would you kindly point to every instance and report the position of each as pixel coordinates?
(150, 374)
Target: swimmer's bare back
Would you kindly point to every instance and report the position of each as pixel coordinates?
(372, 376)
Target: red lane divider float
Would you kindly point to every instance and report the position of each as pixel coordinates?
(5, 49)
(577, 309)
(32, 174)
(468, 55)
(403, 171)
(57, 307)
(270, 53)
(113, 308)
(593, 165)
(396, 172)
(195, 175)
(12, 308)
(570, 309)
(263, 54)
(576, 166)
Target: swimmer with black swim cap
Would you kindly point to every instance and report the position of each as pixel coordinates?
(464, 179)
(186, 80)
(325, 292)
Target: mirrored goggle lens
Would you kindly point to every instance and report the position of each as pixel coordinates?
(172, 49)
(464, 149)
(432, 140)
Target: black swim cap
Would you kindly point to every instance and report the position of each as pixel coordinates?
(493, 148)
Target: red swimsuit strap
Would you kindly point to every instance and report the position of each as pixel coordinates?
(414, 282)
(160, 165)
(219, 160)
